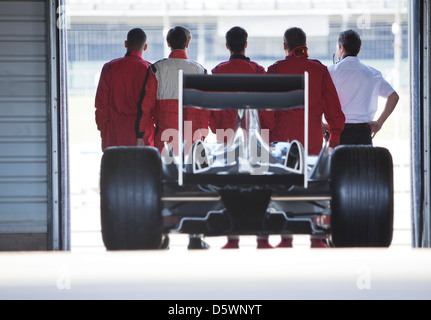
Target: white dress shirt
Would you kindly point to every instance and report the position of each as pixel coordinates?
(359, 88)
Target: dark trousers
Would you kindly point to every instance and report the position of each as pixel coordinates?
(356, 135)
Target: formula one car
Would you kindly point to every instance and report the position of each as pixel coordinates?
(245, 185)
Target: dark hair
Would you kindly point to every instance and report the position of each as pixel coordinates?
(351, 41)
(236, 38)
(178, 37)
(136, 38)
(294, 38)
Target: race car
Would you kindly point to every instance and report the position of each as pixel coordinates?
(244, 185)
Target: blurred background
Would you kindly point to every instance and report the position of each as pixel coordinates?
(97, 30)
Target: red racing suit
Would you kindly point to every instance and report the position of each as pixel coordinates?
(118, 93)
(323, 100)
(160, 104)
(225, 119)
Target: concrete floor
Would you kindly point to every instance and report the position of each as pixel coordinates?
(246, 274)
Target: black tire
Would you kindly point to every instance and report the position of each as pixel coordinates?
(362, 197)
(130, 194)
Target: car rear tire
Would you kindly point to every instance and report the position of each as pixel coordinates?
(130, 193)
(362, 197)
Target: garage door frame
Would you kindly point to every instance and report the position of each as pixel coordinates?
(420, 54)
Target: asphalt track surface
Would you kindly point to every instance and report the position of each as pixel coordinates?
(398, 273)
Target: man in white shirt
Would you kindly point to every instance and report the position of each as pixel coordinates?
(359, 87)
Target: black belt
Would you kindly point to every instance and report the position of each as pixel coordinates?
(356, 125)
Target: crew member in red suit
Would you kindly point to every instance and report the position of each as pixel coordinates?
(159, 114)
(118, 93)
(323, 101)
(236, 43)
(160, 103)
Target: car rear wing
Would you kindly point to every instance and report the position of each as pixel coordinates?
(243, 91)
(228, 91)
